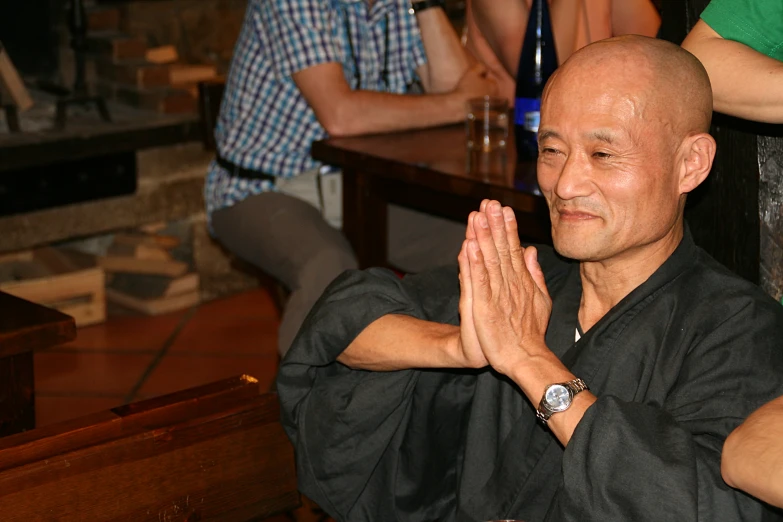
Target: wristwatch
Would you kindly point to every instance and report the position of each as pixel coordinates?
(418, 6)
(558, 397)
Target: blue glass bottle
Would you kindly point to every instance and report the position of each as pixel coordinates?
(537, 62)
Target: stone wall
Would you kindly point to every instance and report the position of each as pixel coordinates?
(771, 214)
(170, 188)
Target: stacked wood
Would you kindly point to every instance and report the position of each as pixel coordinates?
(68, 281)
(162, 54)
(150, 273)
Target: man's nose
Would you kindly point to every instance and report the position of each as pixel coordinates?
(574, 179)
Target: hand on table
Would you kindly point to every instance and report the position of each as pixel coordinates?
(504, 303)
(476, 83)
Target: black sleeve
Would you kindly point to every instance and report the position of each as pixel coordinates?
(662, 461)
(341, 420)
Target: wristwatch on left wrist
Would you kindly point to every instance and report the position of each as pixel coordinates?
(418, 6)
(558, 398)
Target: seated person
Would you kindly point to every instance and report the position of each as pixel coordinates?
(740, 43)
(496, 28)
(304, 70)
(595, 381)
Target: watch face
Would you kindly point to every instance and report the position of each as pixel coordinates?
(558, 397)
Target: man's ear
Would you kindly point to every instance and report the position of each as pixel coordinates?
(697, 153)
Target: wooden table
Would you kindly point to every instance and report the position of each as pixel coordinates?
(24, 328)
(427, 170)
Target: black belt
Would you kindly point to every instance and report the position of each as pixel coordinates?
(242, 172)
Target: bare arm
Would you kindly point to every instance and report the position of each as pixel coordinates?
(344, 112)
(752, 457)
(635, 17)
(401, 342)
(503, 22)
(745, 83)
(447, 59)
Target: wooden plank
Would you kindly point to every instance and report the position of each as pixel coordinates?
(162, 241)
(12, 82)
(85, 313)
(147, 286)
(25, 326)
(132, 265)
(58, 287)
(22, 255)
(66, 280)
(140, 251)
(213, 453)
(162, 54)
(191, 74)
(155, 306)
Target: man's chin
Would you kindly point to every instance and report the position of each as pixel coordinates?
(576, 249)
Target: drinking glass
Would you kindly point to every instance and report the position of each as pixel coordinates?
(486, 124)
(486, 132)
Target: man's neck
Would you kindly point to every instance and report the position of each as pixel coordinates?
(606, 283)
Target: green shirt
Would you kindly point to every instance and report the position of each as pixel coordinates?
(755, 23)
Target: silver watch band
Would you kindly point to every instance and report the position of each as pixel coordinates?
(575, 386)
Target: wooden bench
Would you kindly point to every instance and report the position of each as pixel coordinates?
(216, 452)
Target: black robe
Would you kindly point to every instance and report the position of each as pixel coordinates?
(676, 365)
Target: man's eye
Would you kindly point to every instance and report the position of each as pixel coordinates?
(549, 150)
(601, 155)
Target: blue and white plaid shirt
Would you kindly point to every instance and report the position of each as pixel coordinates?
(265, 124)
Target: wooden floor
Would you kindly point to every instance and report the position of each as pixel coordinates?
(136, 357)
(133, 357)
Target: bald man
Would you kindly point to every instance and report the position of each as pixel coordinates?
(595, 381)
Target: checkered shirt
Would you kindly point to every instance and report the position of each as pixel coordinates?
(265, 124)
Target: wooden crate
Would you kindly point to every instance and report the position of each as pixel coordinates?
(68, 281)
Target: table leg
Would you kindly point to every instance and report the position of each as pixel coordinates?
(364, 218)
(17, 394)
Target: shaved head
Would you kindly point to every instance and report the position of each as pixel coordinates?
(672, 82)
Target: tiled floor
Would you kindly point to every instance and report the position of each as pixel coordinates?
(136, 357)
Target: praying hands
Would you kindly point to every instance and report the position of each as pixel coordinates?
(505, 309)
(504, 303)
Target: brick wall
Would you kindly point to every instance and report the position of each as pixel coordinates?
(203, 31)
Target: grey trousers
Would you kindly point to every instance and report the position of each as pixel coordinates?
(288, 238)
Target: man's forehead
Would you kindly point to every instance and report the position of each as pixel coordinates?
(608, 135)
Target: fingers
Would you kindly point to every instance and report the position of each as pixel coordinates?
(512, 237)
(469, 233)
(464, 271)
(490, 259)
(479, 276)
(531, 262)
(497, 226)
